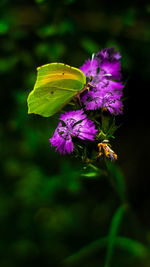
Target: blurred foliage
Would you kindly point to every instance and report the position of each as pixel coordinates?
(50, 207)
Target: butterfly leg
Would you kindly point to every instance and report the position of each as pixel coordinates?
(77, 100)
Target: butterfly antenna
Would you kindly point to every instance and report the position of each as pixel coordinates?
(92, 56)
(92, 59)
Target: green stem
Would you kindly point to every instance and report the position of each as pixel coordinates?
(105, 122)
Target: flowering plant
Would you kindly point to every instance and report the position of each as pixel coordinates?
(96, 106)
(86, 129)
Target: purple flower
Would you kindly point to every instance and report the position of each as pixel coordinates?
(105, 88)
(72, 124)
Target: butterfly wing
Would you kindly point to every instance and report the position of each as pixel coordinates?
(55, 86)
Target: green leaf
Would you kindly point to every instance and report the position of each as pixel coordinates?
(90, 174)
(132, 246)
(79, 258)
(55, 86)
(114, 227)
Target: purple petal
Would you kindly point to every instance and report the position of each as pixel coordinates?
(85, 130)
(105, 94)
(62, 140)
(111, 70)
(72, 117)
(90, 67)
(108, 54)
(92, 100)
(110, 87)
(115, 107)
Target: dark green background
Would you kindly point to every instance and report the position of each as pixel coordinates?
(48, 210)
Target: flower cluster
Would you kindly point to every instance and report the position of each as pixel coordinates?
(103, 90)
(105, 86)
